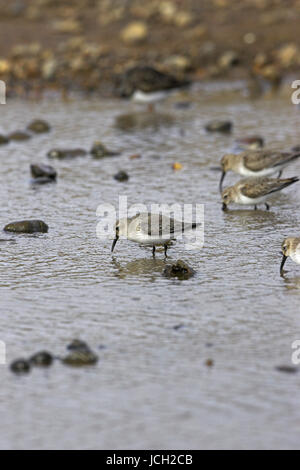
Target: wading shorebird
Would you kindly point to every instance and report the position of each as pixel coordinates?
(151, 229)
(290, 248)
(256, 163)
(254, 191)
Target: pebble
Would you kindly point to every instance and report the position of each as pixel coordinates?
(121, 176)
(61, 154)
(3, 139)
(20, 366)
(99, 150)
(219, 126)
(19, 136)
(43, 171)
(80, 357)
(27, 226)
(180, 269)
(41, 359)
(287, 369)
(38, 126)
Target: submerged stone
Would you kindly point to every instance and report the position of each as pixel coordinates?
(41, 170)
(39, 126)
(219, 126)
(121, 176)
(180, 269)
(27, 226)
(3, 139)
(80, 357)
(78, 345)
(19, 136)
(99, 151)
(41, 359)
(60, 154)
(20, 366)
(287, 369)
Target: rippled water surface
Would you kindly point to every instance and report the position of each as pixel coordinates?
(151, 387)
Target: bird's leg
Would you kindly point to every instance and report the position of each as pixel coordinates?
(153, 251)
(279, 174)
(166, 249)
(267, 206)
(150, 107)
(255, 207)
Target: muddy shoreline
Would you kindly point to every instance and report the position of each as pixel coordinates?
(86, 45)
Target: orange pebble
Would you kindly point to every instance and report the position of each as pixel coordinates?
(136, 155)
(176, 166)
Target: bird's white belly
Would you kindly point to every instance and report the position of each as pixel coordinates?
(147, 240)
(245, 200)
(296, 255)
(265, 172)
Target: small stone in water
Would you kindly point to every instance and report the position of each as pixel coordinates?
(41, 170)
(66, 153)
(177, 166)
(80, 357)
(38, 126)
(77, 345)
(180, 269)
(19, 136)
(219, 126)
(27, 226)
(209, 362)
(121, 176)
(99, 151)
(287, 369)
(20, 366)
(3, 139)
(41, 359)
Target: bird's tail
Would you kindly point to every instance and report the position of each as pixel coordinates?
(284, 183)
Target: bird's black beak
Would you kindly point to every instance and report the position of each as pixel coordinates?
(284, 258)
(114, 243)
(224, 207)
(221, 180)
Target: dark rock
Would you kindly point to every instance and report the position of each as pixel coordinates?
(80, 357)
(178, 327)
(287, 369)
(41, 359)
(219, 126)
(20, 366)
(78, 345)
(99, 151)
(296, 148)
(142, 120)
(41, 171)
(180, 269)
(27, 226)
(39, 126)
(19, 136)
(146, 79)
(121, 176)
(3, 139)
(60, 154)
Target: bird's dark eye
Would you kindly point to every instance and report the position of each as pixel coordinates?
(225, 196)
(284, 247)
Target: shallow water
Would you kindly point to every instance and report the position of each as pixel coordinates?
(151, 387)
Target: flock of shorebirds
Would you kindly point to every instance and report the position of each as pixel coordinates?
(257, 165)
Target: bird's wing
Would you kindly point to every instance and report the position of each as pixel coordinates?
(259, 160)
(263, 186)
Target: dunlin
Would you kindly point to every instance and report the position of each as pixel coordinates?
(256, 163)
(254, 191)
(290, 248)
(151, 229)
